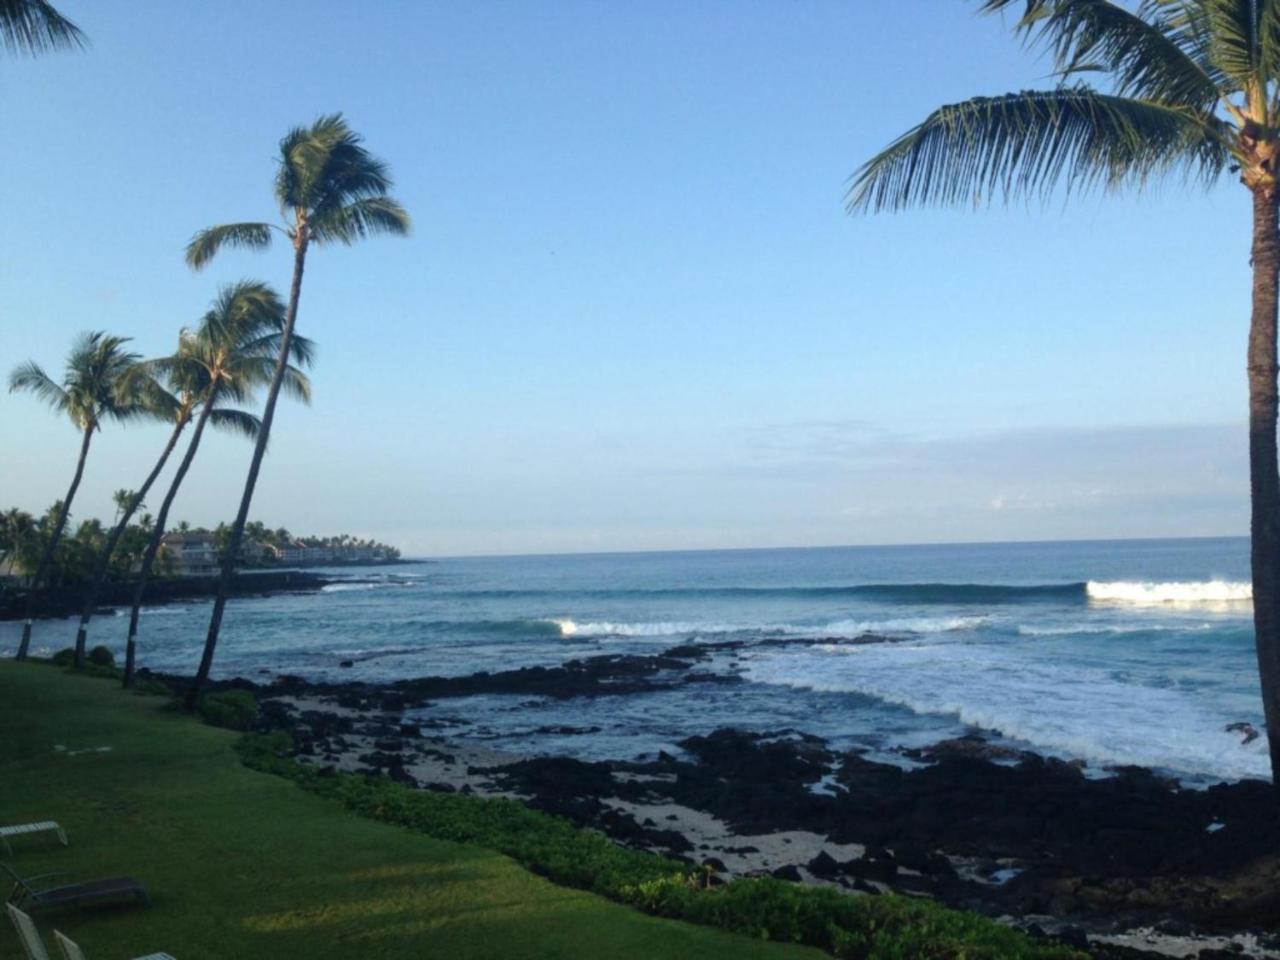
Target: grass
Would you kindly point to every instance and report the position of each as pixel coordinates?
(244, 864)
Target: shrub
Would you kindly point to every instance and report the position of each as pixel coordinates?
(233, 709)
(148, 686)
(886, 927)
(100, 656)
(64, 658)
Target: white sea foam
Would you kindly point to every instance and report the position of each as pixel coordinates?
(1061, 708)
(571, 628)
(1173, 593)
(1095, 628)
(348, 587)
(177, 611)
(838, 628)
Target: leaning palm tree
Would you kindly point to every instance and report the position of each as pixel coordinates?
(223, 361)
(97, 385)
(330, 189)
(34, 26)
(162, 405)
(1192, 88)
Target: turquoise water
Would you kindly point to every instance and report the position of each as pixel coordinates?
(1112, 652)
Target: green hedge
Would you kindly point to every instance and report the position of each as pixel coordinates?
(882, 927)
(233, 709)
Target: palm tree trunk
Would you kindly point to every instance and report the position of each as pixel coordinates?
(1264, 475)
(42, 568)
(259, 449)
(157, 535)
(104, 558)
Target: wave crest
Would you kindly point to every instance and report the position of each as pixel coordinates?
(1187, 593)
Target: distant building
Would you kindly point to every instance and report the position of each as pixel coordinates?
(193, 554)
(298, 553)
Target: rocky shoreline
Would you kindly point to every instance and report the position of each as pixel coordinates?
(1125, 861)
(66, 601)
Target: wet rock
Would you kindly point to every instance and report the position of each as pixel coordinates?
(1246, 730)
(789, 872)
(1074, 937)
(973, 746)
(870, 868)
(346, 663)
(930, 863)
(824, 865)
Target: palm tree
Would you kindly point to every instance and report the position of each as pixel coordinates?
(223, 361)
(34, 26)
(1193, 88)
(17, 535)
(162, 405)
(330, 189)
(98, 385)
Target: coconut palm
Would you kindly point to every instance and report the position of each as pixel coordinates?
(231, 353)
(162, 405)
(99, 384)
(330, 189)
(165, 406)
(17, 537)
(1192, 88)
(34, 26)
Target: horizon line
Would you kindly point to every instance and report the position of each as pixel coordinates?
(829, 546)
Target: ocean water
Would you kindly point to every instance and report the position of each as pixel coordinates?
(1122, 652)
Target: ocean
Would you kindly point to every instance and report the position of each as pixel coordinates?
(1120, 652)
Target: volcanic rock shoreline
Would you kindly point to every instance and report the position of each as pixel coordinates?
(1124, 862)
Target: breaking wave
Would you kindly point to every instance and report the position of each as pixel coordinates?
(1172, 593)
(1069, 710)
(838, 628)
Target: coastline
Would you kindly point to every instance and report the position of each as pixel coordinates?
(1128, 861)
(250, 581)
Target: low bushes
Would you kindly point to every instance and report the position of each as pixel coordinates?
(884, 927)
(233, 709)
(100, 656)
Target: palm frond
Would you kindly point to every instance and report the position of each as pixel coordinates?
(304, 154)
(205, 245)
(302, 350)
(1029, 143)
(140, 390)
(1235, 43)
(31, 378)
(1145, 53)
(235, 421)
(34, 26)
(296, 384)
(359, 219)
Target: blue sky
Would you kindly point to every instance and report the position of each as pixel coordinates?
(633, 313)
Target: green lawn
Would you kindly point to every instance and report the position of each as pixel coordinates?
(242, 864)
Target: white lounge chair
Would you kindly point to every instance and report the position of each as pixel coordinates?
(72, 951)
(19, 829)
(29, 936)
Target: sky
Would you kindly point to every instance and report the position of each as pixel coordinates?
(633, 313)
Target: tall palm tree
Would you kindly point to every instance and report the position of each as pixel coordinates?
(34, 26)
(165, 406)
(162, 405)
(17, 534)
(99, 384)
(1193, 88)
(223, 361)
(330, 189)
